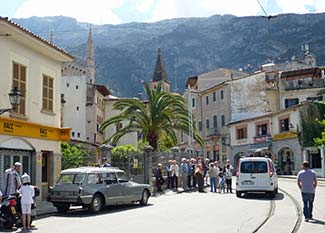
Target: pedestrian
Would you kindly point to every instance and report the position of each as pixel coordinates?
(194, 177)
(190, 173)
(159, 177)
(11, 180)
(221, 182)
(228, 177)
(213, 177)
(174, 168)
(0, 197)
(27, 194)
(199, 173)
(206, 166)
(106, 163)
(184, 173)
(169, 177)
(307, 182)
(216, 164)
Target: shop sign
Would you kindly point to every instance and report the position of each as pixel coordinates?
(285, 135)
(33, 130)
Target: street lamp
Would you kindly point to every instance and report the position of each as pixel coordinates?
(14, 99)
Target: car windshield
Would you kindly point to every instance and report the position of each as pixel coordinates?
(71, 179)
(253, 167)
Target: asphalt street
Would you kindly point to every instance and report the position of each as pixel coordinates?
(194, 212)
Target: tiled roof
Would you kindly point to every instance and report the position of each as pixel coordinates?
(37, 37)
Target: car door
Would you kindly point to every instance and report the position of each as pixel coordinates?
(113, 189)
(128, 190)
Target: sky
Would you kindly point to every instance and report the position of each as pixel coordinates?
(125, 11)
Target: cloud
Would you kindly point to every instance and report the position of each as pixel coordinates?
(94, 11)
(144, 5)
(300, 6)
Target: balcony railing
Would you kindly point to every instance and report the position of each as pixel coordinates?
(303, 84)
(262, 138)
(214, 132)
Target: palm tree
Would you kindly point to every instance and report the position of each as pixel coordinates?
(165, 113)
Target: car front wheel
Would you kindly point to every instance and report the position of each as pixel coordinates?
(145, 198)
(97, 203)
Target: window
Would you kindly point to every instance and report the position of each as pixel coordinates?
(253, 167)
(207, 100)
(290, 102)
(214, 96)
(77, 87)
(200, 125)
(19, 81)
(316, 160)
(122, 177)
(78, 135)
(99, 122)
(215, 122)
(47, 93)
(223, 122)
(72, 134)
(241, 133)
(95, 179)
(110, 178)
(207, 122)
(223, 142)
(221, 94)
(68, 84)
(284, 125)
(261, 130)
(193, 102)
(77, 108)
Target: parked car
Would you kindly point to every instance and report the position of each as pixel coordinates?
(256, 174)
(94, 187)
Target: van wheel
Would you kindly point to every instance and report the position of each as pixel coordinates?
(238, 194)
(63, 209)
(145, 198)
(96, 204)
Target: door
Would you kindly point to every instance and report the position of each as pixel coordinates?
(46, 169)
(128, 190)
(113, 190)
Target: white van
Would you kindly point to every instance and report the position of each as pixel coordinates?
(256, 174)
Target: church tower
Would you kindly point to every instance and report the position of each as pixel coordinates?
(159, 74)
(90, 59)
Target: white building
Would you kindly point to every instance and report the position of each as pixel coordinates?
(83, 106)
(31, 134)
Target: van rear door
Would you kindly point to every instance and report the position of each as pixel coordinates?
(252, 173)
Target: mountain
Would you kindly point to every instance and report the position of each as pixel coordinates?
(126, 53)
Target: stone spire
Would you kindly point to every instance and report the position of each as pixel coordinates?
(159, 73)
(90, 58)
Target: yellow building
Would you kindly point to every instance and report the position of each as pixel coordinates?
(31, 133)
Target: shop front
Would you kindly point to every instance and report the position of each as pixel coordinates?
(34, 145)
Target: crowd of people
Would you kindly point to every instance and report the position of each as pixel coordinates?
(195, 174)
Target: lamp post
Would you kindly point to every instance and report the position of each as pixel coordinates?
(14, 99)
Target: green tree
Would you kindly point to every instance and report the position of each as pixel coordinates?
(164, 114)
(72, 155)
(320, 140)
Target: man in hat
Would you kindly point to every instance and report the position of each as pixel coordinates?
(11, 180)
